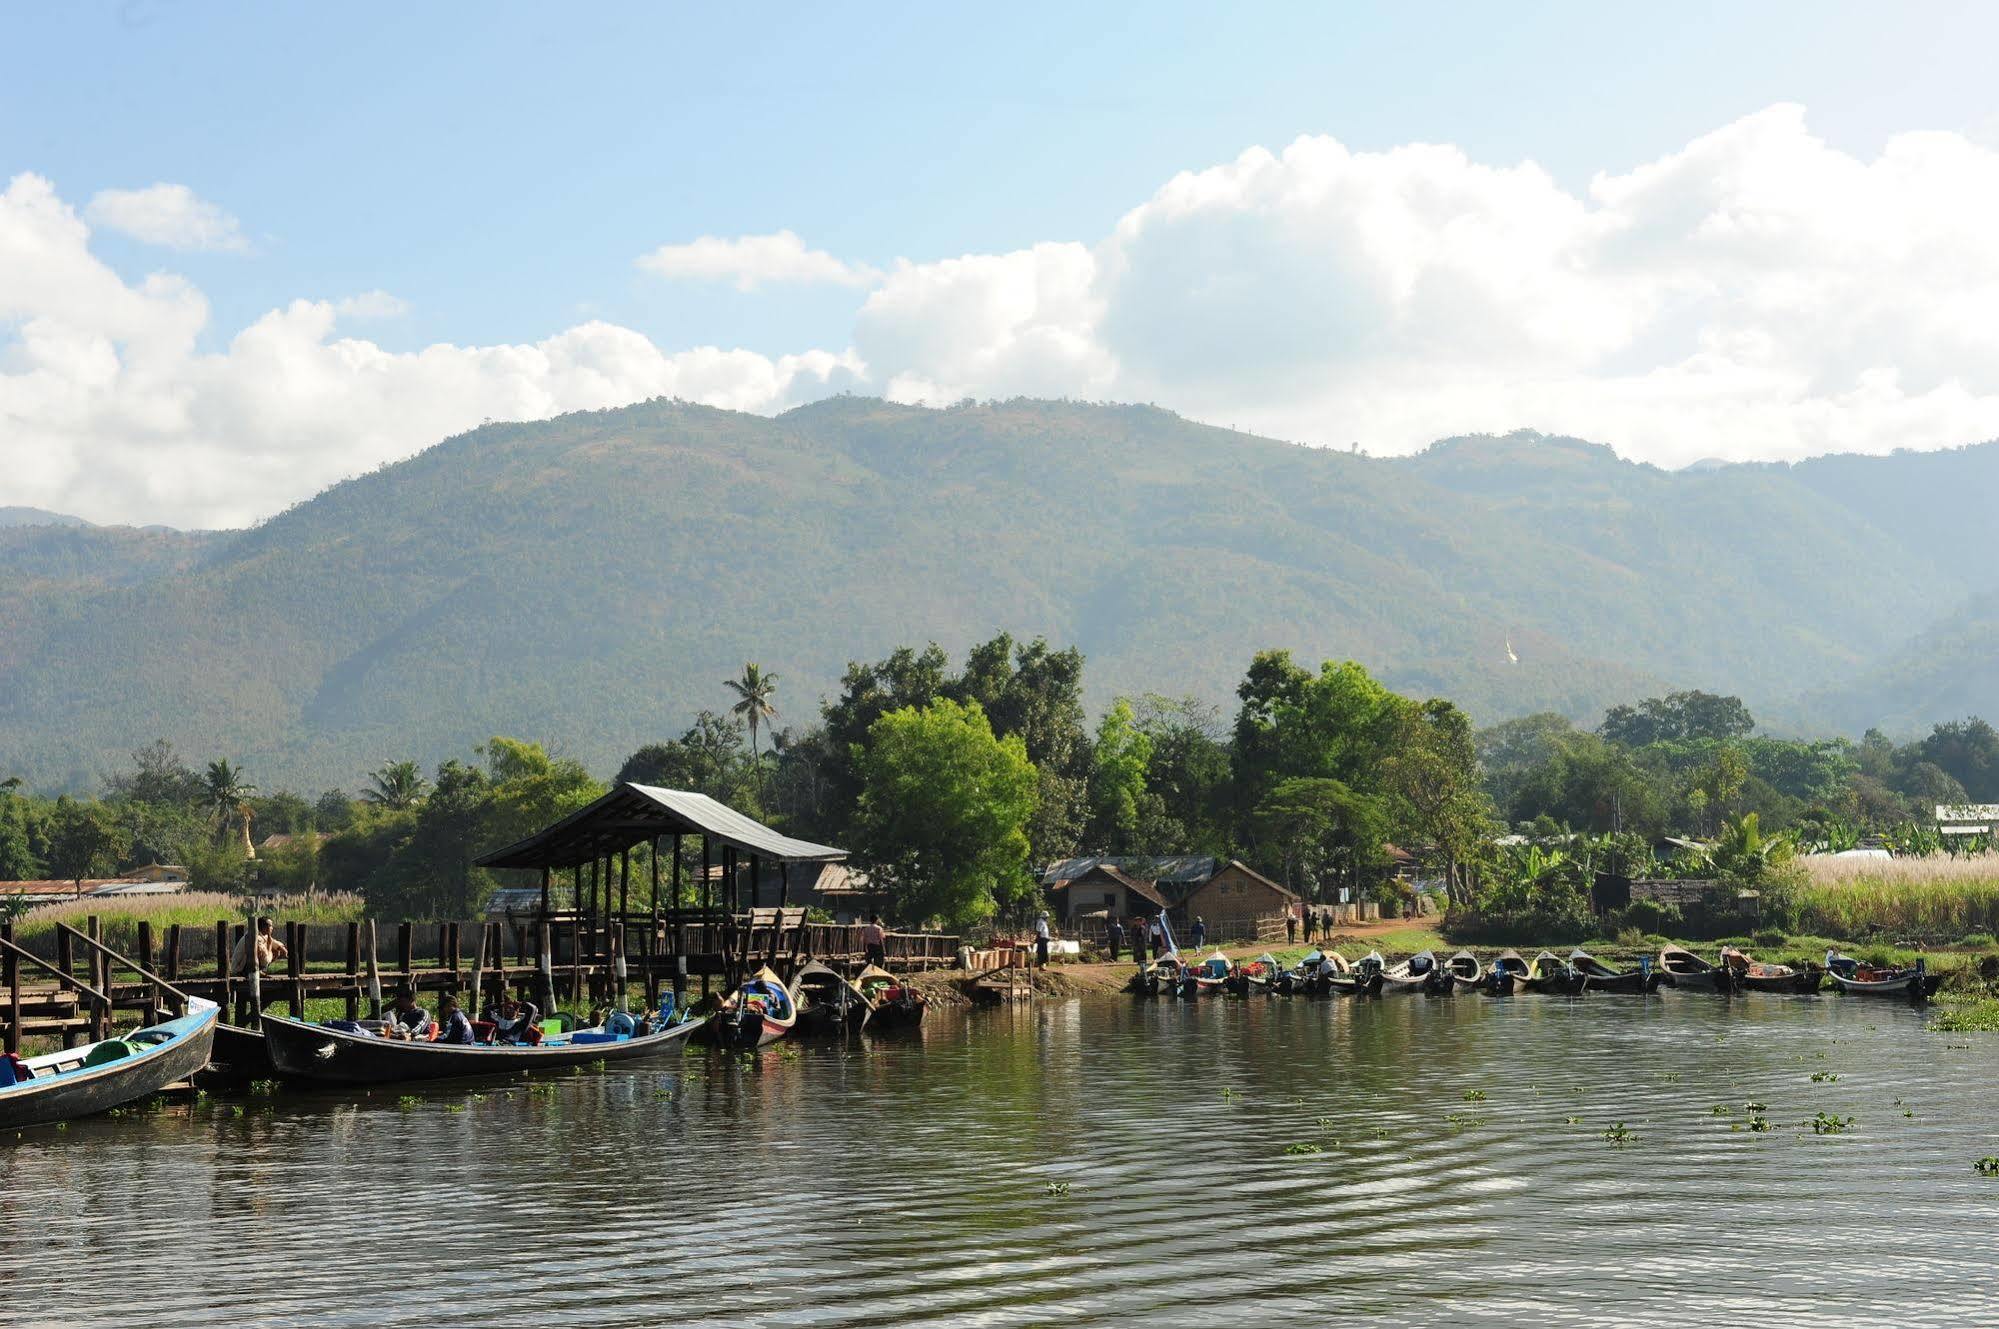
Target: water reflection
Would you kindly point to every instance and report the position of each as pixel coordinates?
(1460, 1171)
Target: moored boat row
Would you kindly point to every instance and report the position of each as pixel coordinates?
(1322, 973)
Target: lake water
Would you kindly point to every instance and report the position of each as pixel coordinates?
(908, 1182)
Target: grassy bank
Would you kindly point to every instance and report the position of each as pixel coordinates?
(1934, 898)
(120, 915)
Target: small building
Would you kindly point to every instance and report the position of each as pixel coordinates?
(1103, 892)
(1235, 901)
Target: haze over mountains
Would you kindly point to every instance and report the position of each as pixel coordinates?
(590, 580)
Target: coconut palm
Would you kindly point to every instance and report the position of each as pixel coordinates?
(753, 702)
(224, 789)
(396, 786)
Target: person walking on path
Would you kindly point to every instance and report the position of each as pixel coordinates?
(1290, 925)
(1200, 932)
(1041, 941)
(1115, 937)
(874, 941)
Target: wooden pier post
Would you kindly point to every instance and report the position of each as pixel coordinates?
(374, 977)
(353, 971)
(545, 963)
(252, 975)
(576, 961)
(10, 965)
(295, 967)
(478, 972)
(156, 997)
(222, 967)
(405, 955)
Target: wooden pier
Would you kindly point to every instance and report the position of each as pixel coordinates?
(71, 986)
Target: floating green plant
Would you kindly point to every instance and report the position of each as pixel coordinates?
(1987, 1166)
(1461, 1120)
(1823, 1077)
(1721, 1110)
(1755, 1107)
(406, 1102)
(1474, 1095)
(1759, 1123)
(1824, 1124)
(1324, 1123)
(1058, 1188)
(1304, 1147)
(1573, 1121)
(1619, 1134)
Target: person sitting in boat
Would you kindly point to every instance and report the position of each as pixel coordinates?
(513, 1020)
(452, 1026)
(874, 941)
(407, 1020)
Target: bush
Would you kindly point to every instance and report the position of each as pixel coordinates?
(1770, 937)
(1650, 917)
(1977, 941)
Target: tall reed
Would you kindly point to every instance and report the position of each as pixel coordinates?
(1937, 897)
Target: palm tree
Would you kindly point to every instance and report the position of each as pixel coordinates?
(397, 785)
(753, 702)
(224, 789)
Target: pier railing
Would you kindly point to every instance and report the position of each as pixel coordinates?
(70, 984)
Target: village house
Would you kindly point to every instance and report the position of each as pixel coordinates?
(1233, 899)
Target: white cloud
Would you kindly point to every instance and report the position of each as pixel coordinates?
(169, 215)
(108, 408)
(1756, 294)
(371, 304)
(751, 261)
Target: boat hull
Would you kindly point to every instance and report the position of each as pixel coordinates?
(315, 1054)
(86, 1092)
(1909, 987)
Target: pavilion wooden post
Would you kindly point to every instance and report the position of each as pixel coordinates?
(252, 979)
(222, 965)
(576, 961)
(545, 963)
(576, 888)
(706, 896)
(479, 971)
(544, 890)
(405, 955)
(155, 997)
(652, 929)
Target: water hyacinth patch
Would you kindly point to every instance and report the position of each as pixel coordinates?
(1987, 1166)
(1304, 1147)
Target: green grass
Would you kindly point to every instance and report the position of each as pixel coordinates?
(1936, 897)
(1971, 1015)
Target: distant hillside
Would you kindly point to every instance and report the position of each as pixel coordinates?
(36, 517)
(591, 579)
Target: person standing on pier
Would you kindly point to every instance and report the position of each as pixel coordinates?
(264, 950)
(1041, 940)
(1115, 937)
(874, 941)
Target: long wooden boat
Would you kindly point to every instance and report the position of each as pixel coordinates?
(1211, 975)
(1684, 969)
(895, 1004)
(827, 1002)
(324, 1054)
(1550, 974)
(1461, 973)
(1916, 983)
(1506, 972)
(97, 1077)
(1312, 974)
(1259, 976)
(1418, 973)
(761, 1011)
(1596, 976)
(1752, 975)
(1365, 977)
(239, 1056)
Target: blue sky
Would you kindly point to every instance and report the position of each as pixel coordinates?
(499, 169)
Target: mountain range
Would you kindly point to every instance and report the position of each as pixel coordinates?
(590, 580)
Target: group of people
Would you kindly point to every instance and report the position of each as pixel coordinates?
(1316, 923)
(1147, 933)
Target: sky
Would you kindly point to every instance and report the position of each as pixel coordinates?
(249, 250)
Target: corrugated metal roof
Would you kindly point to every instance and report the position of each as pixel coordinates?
(635, 813)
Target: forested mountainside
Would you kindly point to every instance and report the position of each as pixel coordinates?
(591, 579)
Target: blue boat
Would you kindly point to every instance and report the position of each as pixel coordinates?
(97, 1077)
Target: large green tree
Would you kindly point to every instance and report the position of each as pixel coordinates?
(1117, 778)
(945, 807)
(755, 691)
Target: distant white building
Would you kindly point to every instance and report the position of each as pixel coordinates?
(1966, 818)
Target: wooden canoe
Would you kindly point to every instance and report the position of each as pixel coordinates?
(1418, 973)
(1596, 976)
(1506, 973)
(1683, 969)
(827, 1002)
(97, 1077)
(1915, 983)
(1362, 978)
(1461, 973)
(1752, 975)
(1550, 974)
(895, 1005)
(761, 1011)
(323, 1054)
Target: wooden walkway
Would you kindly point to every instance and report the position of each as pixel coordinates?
(71, 986)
